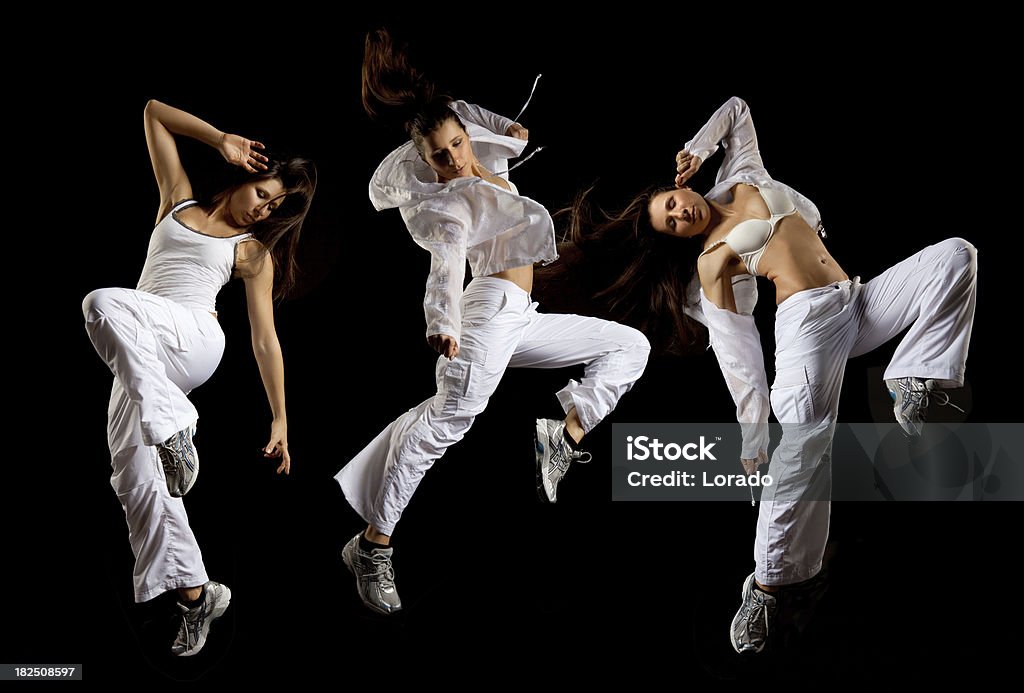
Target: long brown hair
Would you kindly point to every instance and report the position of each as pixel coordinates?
(279, 232)
(633, 274)
(395, 90)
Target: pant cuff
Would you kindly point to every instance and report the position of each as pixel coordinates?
(777, 578)
(172, 583)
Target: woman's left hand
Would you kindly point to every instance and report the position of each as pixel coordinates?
(518, 131)
(278, 446)
(242, 152)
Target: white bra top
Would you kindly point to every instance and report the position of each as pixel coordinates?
(187, 266)
(750, 238)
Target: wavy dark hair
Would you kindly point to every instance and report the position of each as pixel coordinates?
(394, 90)
(627, 271)
(279, 232)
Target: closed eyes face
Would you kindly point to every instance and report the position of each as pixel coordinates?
(681, 213)
(448, 151)
(255, 201)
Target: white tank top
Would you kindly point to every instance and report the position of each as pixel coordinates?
(187, 266)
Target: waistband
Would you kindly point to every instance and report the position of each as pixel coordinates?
(845, 288)
(496, 283)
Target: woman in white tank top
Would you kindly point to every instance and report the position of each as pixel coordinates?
(748, 225)
(162, 339)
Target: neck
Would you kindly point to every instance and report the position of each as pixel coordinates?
(219, 215)
(717, 214)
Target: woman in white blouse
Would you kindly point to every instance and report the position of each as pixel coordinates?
(751, 225)
(451, 186)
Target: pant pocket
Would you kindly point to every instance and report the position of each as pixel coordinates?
(480, 308)
(453, 378)
(791, 397)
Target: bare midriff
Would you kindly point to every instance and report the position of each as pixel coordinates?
(520, 276)
(796, 259)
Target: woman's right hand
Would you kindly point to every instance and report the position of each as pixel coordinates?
(444, 345)
(750, 466)
(686, 165)
(239, 151)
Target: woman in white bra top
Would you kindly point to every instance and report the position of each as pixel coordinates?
(751, 225)
(162, 339)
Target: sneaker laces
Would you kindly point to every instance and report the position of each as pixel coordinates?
(945, 401)
(758, 608)
(579, 455)
(191, 629)
(382, 569)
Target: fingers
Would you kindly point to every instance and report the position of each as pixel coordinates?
(518, 131)
(749, 466)
(278, 448)
(254, 161)
(259, 145)
(444, 345)
(685, 175)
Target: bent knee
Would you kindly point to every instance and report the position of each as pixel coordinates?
(963, 254)
(99, 303)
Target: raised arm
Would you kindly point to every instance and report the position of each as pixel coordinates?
(163, 122)
(257, 268)
(499, 125)
(731, 128)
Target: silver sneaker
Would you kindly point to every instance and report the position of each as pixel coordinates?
(375, 577)
(751, 624)
(554, 455)
(911, 397)
(180, 461)
(195, 622)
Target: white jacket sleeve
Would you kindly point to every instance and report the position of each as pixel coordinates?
(732, 128)
(744, 291)
(446, 241)
(481, 116)
(737, 345)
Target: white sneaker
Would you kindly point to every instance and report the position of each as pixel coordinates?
(554, 455)
(195, 622)
(375, 577)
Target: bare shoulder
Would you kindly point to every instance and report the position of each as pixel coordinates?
(249, 257)
(249, 249)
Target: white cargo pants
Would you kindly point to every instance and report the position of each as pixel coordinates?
(816, 331)
(501, 329)
(158, 351)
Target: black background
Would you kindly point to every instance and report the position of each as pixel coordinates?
(890, 130)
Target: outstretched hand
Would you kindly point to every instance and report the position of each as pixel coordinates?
(239, 151)
(278, 446)
(686, 165)
(444, 345)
